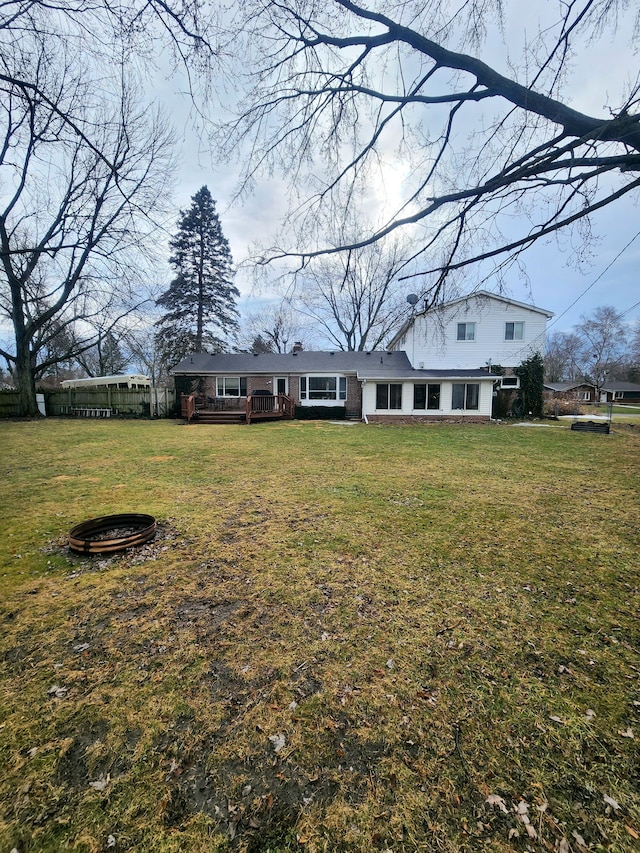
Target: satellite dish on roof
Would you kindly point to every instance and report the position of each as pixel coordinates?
(412, 298)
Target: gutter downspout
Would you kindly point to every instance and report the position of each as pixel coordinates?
(364, 414)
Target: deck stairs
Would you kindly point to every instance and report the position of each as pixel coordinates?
(205, 416)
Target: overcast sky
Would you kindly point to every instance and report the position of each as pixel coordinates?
(606, 275)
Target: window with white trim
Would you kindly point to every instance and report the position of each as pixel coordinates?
(514, 331)
(426, 396)
(509, 382)
(388, 395)
(433, 396)
(323, 387)
(466, 332)
(231, 386)
(465, 395)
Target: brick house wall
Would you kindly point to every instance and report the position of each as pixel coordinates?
(265, 383)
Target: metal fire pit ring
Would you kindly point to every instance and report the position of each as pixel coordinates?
(91, 537)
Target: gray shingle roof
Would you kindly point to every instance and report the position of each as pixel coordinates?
(302, 362)
(378, 364)
(566, 386)
(622, 386)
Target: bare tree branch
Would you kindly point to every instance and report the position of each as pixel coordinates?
(342, 89)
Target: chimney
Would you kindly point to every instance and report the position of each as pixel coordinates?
(297, 347)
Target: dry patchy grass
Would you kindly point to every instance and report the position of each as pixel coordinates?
(342, 639)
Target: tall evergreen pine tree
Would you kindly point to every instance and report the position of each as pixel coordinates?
(200, 302)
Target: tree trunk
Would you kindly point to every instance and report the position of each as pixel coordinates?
(25, 382)
(24, 368)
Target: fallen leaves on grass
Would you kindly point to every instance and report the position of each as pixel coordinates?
(278, 741)
(496, 800)
(611, 802)
(101, 783)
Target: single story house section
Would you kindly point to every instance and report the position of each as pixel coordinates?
(581, 392)
(620, 392)
(585, 392)
(374, 386)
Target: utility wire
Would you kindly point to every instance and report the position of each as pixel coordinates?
(542, 335)
(596, 280)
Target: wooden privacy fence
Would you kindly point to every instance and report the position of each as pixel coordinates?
(112, 402)
(99, 403)
(9, 404)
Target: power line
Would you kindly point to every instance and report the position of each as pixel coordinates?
(596, 280)
(628, 311)
(586, 290)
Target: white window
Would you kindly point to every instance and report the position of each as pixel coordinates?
(231, 386)
(466, 332)
(426, 396)
(323, 387)
(465, 395)
(584, 395)
(514, 331)
(388, 395)
(618, 395)
(509, 381)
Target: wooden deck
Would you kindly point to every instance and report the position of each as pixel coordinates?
(223, 410)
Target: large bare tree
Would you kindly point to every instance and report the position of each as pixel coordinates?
(352, 299)
(276, 328)
(71, 226)
(599, 349)
(496, 155)
(604, 346)
(83, 166)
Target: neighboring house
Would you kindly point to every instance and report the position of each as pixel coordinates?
(438, 366)
(581, 392)
(476, 331)
(620, 392)
(585, 392)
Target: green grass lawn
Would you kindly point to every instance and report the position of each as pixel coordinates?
(344, 638)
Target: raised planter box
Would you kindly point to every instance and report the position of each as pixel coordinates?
(592, 426)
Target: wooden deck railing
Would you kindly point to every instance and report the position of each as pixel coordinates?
(188, 406)
(269, 406)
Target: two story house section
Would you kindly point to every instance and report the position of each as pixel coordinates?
(476, 331)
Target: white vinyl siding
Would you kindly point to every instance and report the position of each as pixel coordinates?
(437, 346)
(400, 397)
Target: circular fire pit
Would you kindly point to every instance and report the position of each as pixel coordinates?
(112, 533)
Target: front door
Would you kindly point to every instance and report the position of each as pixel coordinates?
(281, 384)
